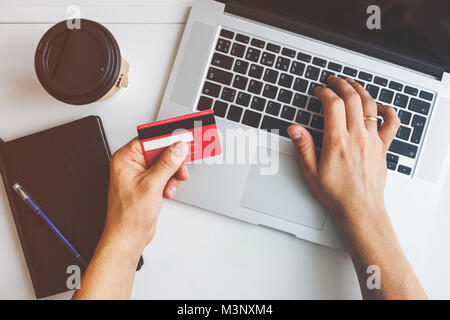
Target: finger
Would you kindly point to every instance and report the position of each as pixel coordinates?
(130, 152)
(369, 106)
(182, 173)
(304, 145)
(333, 110)
(352, 100)
(390, 126)
(171, 188)
(167, 165)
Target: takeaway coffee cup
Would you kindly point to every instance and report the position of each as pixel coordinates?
(80, 65)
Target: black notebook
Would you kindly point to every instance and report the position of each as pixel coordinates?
(66, 171)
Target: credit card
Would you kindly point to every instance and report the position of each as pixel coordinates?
(198, 130)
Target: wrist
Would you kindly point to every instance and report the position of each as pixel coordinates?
(127, 246)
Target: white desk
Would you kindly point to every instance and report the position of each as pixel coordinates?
(195, 254)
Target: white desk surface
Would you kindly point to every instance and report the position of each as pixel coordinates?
(196, 254)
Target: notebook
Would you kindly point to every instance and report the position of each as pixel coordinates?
(66, 171)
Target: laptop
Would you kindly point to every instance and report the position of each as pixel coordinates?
(255, 63)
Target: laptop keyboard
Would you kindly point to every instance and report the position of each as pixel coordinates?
(269, 86)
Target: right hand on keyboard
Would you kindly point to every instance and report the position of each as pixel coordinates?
(350, 175)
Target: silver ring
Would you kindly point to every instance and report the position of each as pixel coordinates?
(370, 118)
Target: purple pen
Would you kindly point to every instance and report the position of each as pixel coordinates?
(35, 208)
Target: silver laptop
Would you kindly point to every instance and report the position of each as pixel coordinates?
(255, 63)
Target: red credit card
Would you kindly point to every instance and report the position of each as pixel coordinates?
(199, 130)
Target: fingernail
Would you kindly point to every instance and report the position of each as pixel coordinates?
(331, 77)
(350, 80)
(295, 132)
(172, 191)
(186, 172)
(180, 149)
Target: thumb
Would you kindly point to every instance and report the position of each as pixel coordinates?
(304, 145)
(167, 165)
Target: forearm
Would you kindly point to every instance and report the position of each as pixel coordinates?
(110, 274)
(372, 242)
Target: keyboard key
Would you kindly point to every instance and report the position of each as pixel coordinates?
(268, 59)
(211, 89)
(365, 76)
(273, 108)
(396, 86)
(238, 50)
(288, 53)
(204, 103)
(288, 113)
(391, 166)
(223, 45)
(401, 100)
(227, 34)
(405, 116)
(304, 57)
(253, 54)
(334, 66)
(270, 91)
(325, 75)
(241, 66)
(350, 72)
(255, 87)
(404, 170)
(300, 85)
(412, 91)
(228, 94)
(317, 122)
(312, 86)
(312, 73)
(258, 43)
(386, 96)
(381, 81)
(235, 113)
(220, 108)
(242, 38)
(392, 158)
(240, 82)
(403, 148)
(297, 68)
(319, 62)
(273, 47)
(418, 123)
(219, 60)
(286, 80)
(303, 117)
(426, 95)
(317, 137)
(270, 124)
(373, 90)
(314, 105)
(258, 103)
(419, 106)
(256, 71)
(283, 64)
(285, 96)
(403, 133)
(251, 118)
(271, 76)
(360, 82)
(220, 76)
(243, 99)
(300, 100)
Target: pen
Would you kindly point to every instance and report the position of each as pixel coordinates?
(36, 210)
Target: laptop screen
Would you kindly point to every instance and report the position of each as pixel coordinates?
(419, 28)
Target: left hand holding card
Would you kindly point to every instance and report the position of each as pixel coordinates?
(198, 129)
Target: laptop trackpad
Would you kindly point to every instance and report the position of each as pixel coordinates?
(284, 194)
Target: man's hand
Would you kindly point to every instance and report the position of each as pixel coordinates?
(134, 201)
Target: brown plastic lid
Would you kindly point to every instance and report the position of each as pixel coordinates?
(78, 66)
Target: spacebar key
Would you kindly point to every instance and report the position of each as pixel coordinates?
(270, 124)
(404, 149)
